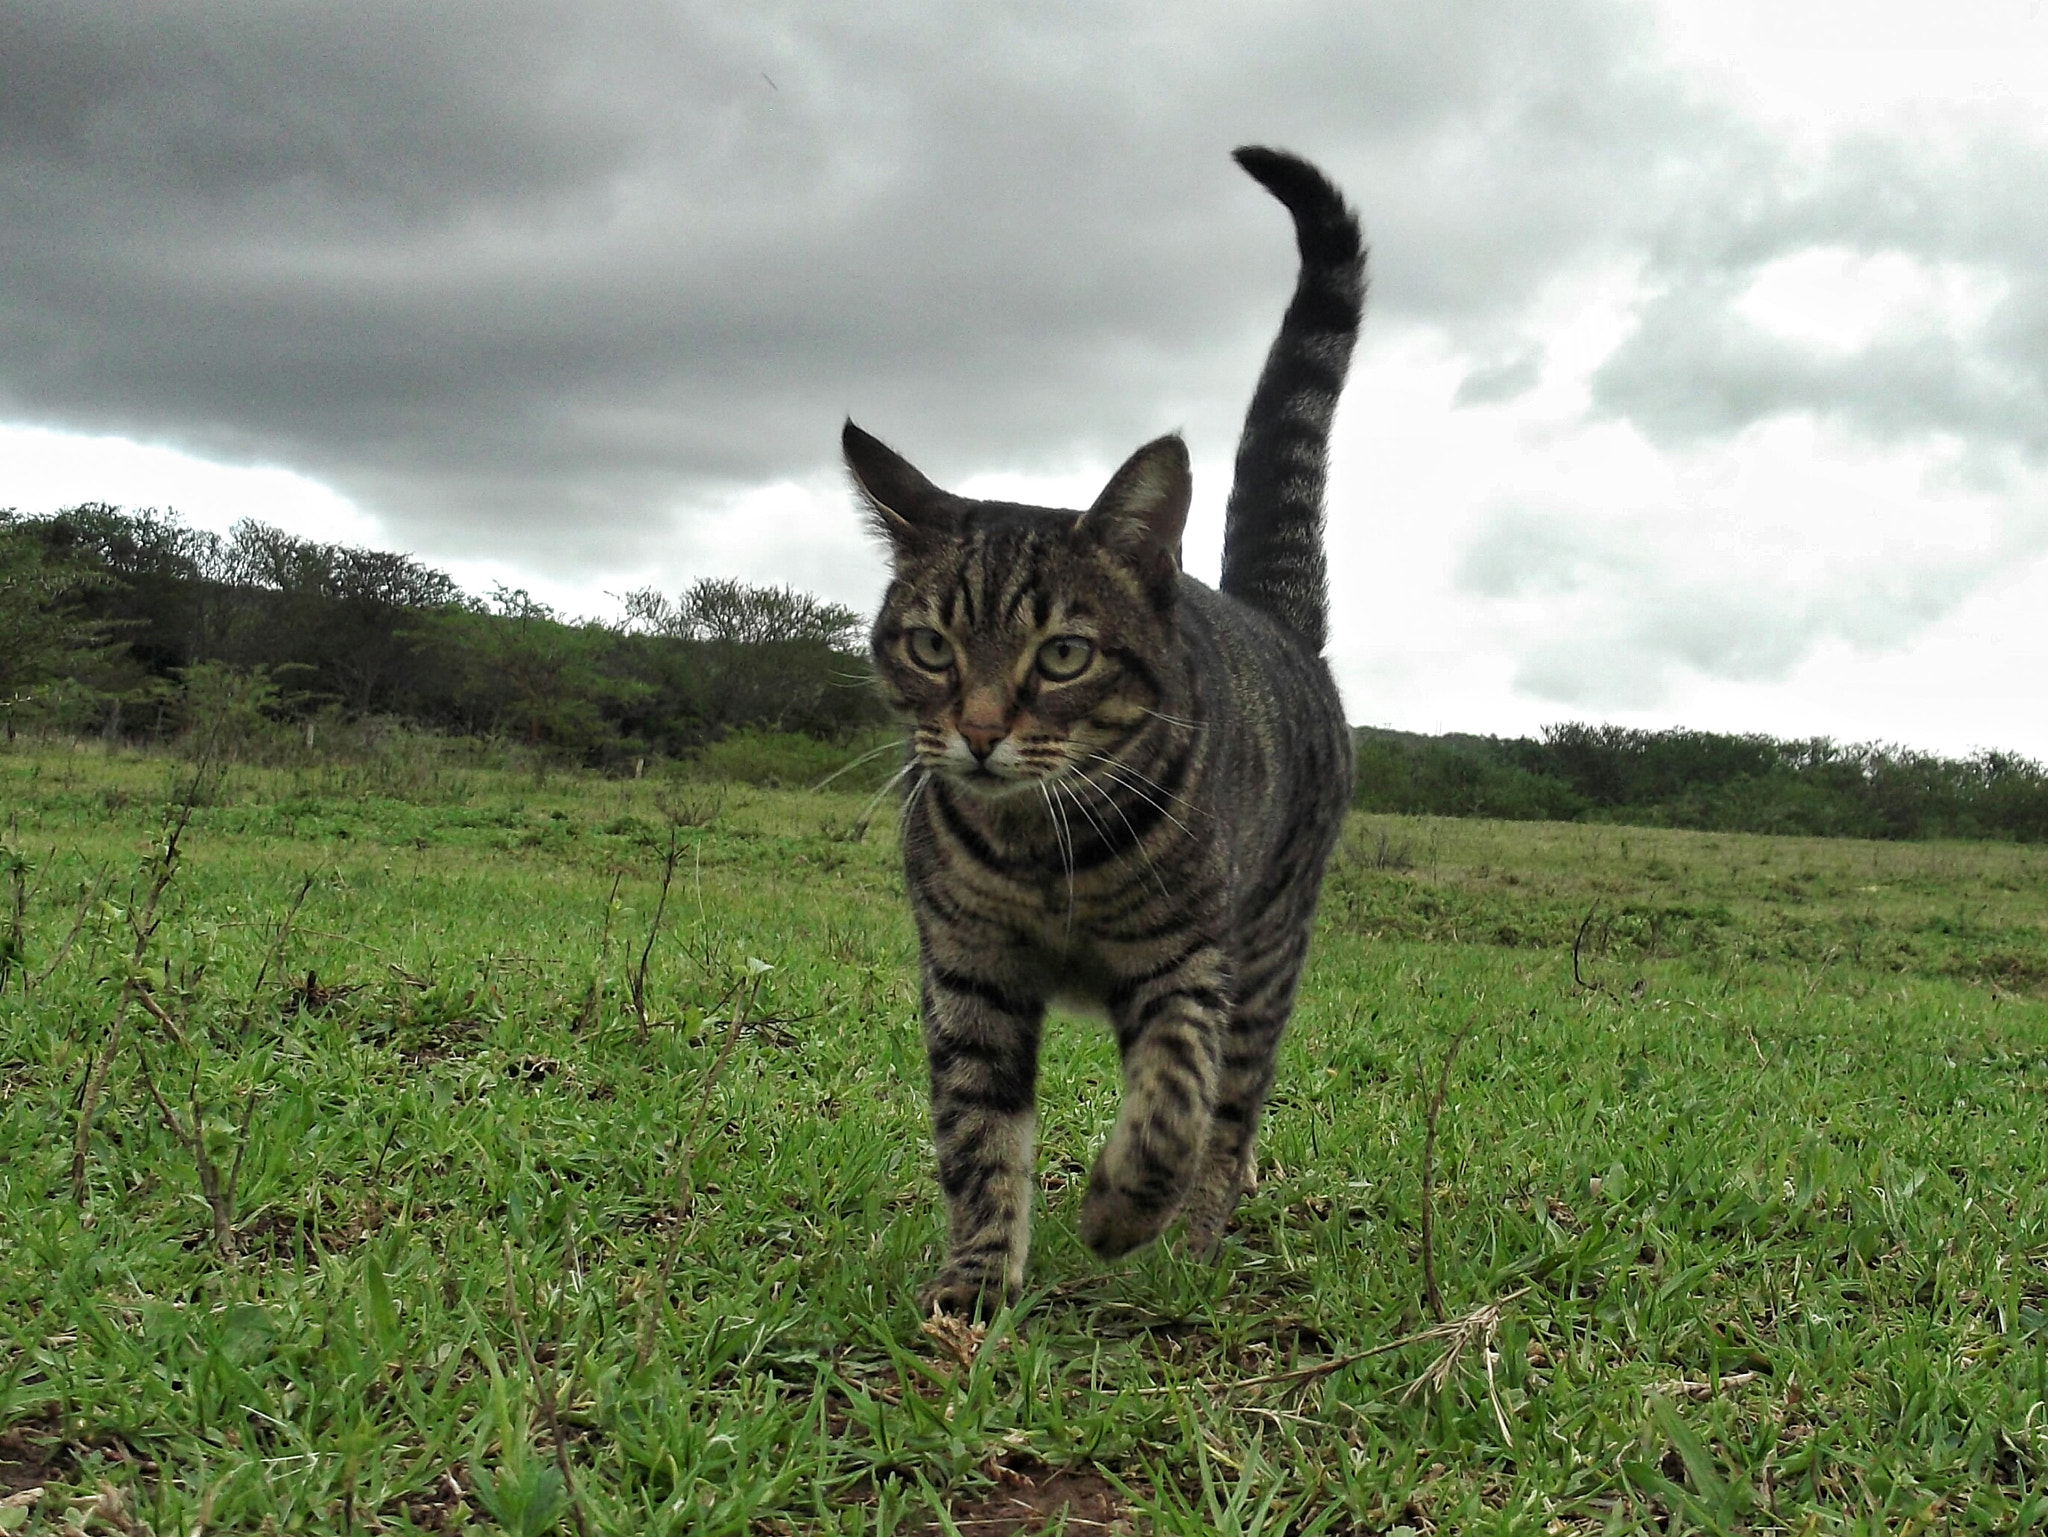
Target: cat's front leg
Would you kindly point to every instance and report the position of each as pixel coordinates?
(1168, 1027)
(981, 1045)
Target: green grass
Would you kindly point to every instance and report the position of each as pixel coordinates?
(1764, 1201)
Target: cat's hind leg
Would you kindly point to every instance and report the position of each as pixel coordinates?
(1229, 1166)
(1168, 1028)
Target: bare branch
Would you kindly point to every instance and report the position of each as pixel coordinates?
(87, 893)
(276, 952)
(669, 858)
(587, 1015)
(1585, 924)
(219, 1194)
(1436, 1105)
(686, 1152)
(1479, 1318)
(142, 922)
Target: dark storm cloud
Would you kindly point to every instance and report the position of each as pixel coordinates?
(539, 280)
(545, 270)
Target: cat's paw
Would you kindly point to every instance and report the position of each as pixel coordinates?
(963, 1293)
(1208, 1213)
(1112, 1224)
(1211, 1206)
(1202, 1238)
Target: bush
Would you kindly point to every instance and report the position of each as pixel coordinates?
(1701, 779)
(787, 760)
(123, 605)
(1457, 776)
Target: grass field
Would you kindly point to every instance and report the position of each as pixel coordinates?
(1745, 1233)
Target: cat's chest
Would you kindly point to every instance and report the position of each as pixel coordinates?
(1073, 906)
(1077, 941)
(1063, 910)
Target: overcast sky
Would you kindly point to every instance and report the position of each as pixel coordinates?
(1704, 381)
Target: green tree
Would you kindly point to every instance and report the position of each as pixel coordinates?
(515, 667)
(47, 639)
(770, 657)
(343, 614)
(726, 611)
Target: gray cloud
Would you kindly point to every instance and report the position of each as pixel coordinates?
(1628, 610)
(1503, 381)
(551, 272)
(1696, 368)
(1520, 553)
(1630, 606)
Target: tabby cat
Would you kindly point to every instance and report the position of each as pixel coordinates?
(1124, 788)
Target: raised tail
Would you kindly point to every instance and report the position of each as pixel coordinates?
(1273, 528)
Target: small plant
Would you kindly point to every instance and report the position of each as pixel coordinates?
(142, 916)
(234, 713)
(524, 1492)
(13, 946)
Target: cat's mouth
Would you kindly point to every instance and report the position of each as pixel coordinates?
(987, 779)
(990, 783)
(994, 773)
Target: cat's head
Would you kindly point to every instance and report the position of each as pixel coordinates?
(1022, 643)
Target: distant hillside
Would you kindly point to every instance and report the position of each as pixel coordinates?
(1703, 779)
(130, 624)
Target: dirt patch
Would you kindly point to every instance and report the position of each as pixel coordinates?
(307, 1238)
(443, 1506)
(313, 996)
(2013, 970)
(1030, 1496)
(28, 1462)
(38, 1452)
(422, 1046)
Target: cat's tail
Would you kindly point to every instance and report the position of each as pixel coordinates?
(1273, 529)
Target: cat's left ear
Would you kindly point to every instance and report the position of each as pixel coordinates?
(902, 505)
(1148, 499)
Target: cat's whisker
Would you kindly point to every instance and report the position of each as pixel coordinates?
(1120, 855)
(1082, 807)
(876, 799)
(866, 757)
(915, 791)
(867, 812)
(1137, 844)
(1122, 783)
(1145, 779)
(1063, 835)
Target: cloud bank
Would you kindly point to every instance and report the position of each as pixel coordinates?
(572, 283)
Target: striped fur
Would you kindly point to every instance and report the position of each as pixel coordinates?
(1125, 786)
(1273, 526)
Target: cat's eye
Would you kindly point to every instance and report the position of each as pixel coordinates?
(1064, 657)
(930, 650)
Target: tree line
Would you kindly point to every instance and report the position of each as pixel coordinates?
(121, 621)
(132, 625)
(1706, 780)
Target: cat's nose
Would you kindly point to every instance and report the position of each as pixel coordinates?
(982, 736)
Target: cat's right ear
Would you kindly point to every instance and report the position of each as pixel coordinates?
(902, 505)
